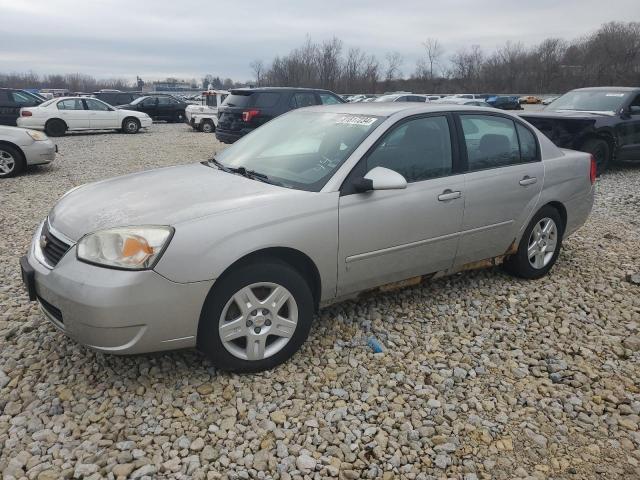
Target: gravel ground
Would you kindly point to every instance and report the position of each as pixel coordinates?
(482, 375)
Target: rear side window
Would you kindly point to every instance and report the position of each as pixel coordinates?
(93, 104)
(268, 99)
(328, 99)
(418, 150)
(528, 145)
(491, 141)
(300, 100)
(71, 104)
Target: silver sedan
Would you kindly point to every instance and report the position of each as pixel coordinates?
(235, 254)
(20, 147)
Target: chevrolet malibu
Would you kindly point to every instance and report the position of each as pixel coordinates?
(235, 254)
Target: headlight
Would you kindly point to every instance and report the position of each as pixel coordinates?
(36, 135)
(131, 248)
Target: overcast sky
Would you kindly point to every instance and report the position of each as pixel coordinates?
(160, 38)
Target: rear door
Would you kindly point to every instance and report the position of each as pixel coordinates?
(101, 115)
(628, 132)
(502, 184)
(73, 112)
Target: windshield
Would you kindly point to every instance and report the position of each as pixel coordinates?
(137, 100)
(590, 101)
(300, 150)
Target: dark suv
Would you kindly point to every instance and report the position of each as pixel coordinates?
(11, 101)
(504, 102)
(158, 107)
(117, 98)
(245, 109)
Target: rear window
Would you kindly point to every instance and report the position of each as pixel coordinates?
(235, 100)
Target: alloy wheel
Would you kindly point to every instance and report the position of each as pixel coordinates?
(258, 321)
(7, 162)
(543, 242)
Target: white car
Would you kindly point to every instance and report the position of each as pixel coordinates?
(60, 115)
(20, 147)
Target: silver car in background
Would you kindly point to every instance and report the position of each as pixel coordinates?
(235, 254)
(21, 147)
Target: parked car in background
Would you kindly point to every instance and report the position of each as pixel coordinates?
(20, 147)
(158, 107)
(466, 101)
(245, 109)
(116, 97)
(11, 101)
(203, 117)
(235, 254)
(603, 121)
(549, 100)
(60, 115)
(529, 100)
(504, 102)
(402, 98)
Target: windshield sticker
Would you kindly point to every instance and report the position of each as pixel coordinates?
(356, 120)
(614, 95)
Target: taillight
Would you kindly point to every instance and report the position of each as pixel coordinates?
(247, 115)
(26, 113)
(593, 171)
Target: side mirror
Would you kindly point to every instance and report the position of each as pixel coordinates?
(380, 178)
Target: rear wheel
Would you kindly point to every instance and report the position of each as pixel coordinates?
(207, 126)
(130, 125)
(11, 161)
(256, 317)
(55, 128)
(539, 246)
(179, 116)
(601, 152)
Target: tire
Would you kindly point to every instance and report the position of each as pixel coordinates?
(179, 116)
(55, 128)
(11, 161)
(601, 152)
(258, 322)
(207, 126)
(521, 264)
(130, 125)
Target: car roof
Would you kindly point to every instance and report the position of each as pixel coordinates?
(387, 109)
(278, 89)
(602, 89)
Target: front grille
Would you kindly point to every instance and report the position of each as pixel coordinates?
(54, 248)
(50, 309)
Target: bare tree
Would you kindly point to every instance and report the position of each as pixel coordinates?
(434, 51)
(258, 71)
(394, 62)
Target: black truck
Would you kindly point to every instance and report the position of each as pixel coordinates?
(602, 121)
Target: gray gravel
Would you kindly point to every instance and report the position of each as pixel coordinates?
(482, 376)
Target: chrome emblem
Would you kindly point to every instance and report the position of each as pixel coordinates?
(43, 242)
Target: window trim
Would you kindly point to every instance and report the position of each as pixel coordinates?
(359, 169)
(464, 155)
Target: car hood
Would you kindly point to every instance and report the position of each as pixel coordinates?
(165, 196)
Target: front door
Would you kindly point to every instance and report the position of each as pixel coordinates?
(387, 236)
(150, 106)
(502, 186)
(629, 132)
(101, 115)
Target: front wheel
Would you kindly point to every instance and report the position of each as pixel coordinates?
(179, 117)
(256, 317)
(539, 246)
(207, 126)
(11, 161)
(600, 150)
(130, 125)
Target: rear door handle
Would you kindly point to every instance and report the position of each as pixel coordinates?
(527, 180)
(449, 195)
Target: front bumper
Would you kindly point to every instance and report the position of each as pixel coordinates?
(116, 311)
(146, 122)
(40, 152)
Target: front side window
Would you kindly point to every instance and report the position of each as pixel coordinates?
(96, 105)
(328, 99)
(301, 149)
(70, 104)
(491, 141)
(148, 102)
(164, 100)
(418, 150)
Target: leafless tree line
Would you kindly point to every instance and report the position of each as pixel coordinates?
(75, 82)
(608, 56)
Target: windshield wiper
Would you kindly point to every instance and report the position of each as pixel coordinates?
(252, 174)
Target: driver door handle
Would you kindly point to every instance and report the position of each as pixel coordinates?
(449, 195)
(527, 180)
